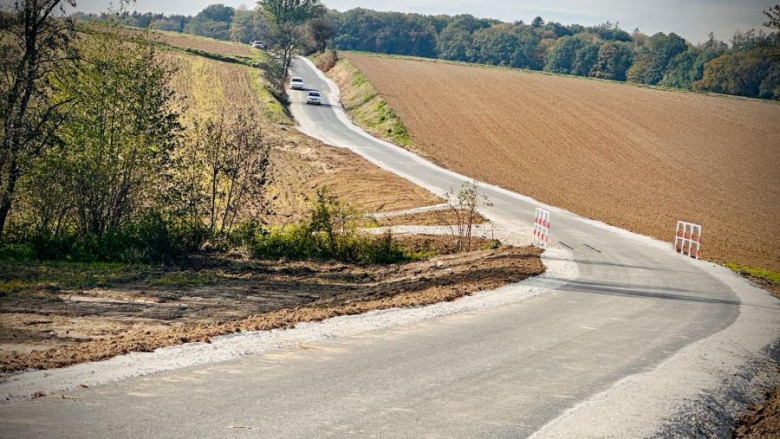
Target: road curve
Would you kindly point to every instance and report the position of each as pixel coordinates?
(503, 372)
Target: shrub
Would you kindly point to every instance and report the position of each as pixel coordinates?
(151, 238)
(329, 234)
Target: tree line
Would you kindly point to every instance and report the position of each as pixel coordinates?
(748, 66)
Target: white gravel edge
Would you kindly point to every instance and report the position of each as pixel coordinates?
(19, 387)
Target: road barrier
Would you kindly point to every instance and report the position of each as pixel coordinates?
(542, 227)
(687, 239)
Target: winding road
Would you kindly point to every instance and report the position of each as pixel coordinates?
(509, 371)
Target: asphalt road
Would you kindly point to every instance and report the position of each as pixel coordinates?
(499, 373)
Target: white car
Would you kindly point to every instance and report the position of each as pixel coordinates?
(257, 45)
(314, 98)
(296, 83)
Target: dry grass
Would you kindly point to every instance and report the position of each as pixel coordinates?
(633, 157)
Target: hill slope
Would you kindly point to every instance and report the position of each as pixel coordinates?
(637, 158)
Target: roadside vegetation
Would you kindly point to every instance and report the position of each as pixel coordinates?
(361, 100)
(767, 279)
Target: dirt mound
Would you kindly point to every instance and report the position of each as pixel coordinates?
(637, 158)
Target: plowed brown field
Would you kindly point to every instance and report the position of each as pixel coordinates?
(637, 158)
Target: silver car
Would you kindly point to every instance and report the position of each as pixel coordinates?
(296, 83)
(314, 98)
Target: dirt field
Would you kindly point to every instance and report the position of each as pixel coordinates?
(434, 218)
(637, 158)
(762, 420)
(203, 44)
(62, 314)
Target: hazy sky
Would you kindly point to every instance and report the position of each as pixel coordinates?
(693, 19)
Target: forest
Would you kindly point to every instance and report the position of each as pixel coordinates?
(745, 66)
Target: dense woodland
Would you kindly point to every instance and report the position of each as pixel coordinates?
(746, 66)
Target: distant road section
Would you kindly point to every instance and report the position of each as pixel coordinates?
(636, 158)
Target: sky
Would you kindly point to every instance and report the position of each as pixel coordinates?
(692, 19)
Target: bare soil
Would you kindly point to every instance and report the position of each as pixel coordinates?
(762, 420)
(634, 157)
(45, 324)
(432, 218)
(203, 44)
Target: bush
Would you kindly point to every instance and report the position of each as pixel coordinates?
(329, 234)
(300, 242)
(326, 60)
(150, 239)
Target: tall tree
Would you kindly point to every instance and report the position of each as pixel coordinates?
(562, 57)
(652, 61)
(120, 136)
(285, 20)
(213, 22)
(33, 43)
(320, 32)
(614, 58)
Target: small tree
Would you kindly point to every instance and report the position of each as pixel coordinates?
(223, 171)
(120, 135)
(286, 31)
(33, 44)
(464, 207)
(333, 218)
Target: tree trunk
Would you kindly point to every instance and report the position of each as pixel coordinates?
(8, 194)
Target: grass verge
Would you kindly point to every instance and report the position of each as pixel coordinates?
(766, 279)
(363, 103)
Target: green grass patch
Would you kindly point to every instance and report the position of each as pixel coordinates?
(299, 242)
(369, 110)
(772, 276)
(273, 109)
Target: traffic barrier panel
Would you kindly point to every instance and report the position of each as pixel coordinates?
(687, 239)
(542, 227)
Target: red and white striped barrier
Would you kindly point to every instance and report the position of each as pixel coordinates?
(687, 239)
(542, 227)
